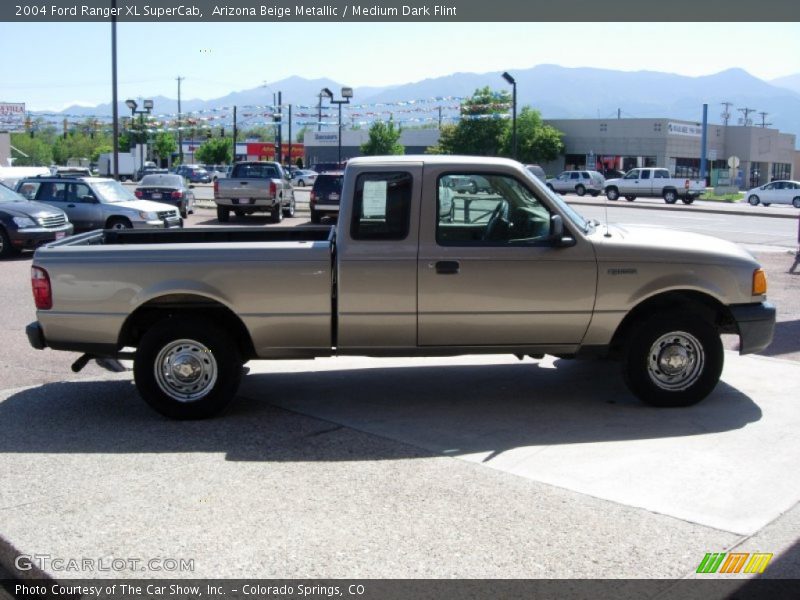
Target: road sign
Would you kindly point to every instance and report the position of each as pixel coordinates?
(712, 155)
(733, 162)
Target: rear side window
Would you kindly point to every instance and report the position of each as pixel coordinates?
(325, 184)
(645, 174)
(381, 206)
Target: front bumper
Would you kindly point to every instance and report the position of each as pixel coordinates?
(158, 224)
(29, 239)
(756, 324)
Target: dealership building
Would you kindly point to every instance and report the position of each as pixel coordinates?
(763, 154)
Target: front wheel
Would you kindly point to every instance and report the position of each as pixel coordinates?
(673, 360)
(753, 200)
(187, 368)
(118, 223)
(6, 249)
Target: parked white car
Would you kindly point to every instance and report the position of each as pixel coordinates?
(776, 192)
(580, 182)
(304, 177)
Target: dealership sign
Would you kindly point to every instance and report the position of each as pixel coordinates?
(12, 115)
(684, 129)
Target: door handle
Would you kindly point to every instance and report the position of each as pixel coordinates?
(448, 267)
(70, 206)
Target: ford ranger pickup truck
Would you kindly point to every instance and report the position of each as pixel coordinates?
(254, 187)
(513, 270)
(654, 183)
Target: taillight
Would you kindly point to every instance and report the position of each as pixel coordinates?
(686, 184)
(42, 293)
(138, 193)
(216, 188)
(273, 189)
(176, 195)
(312, 199)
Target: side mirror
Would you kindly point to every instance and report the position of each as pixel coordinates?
(557, 233)
(88, 199)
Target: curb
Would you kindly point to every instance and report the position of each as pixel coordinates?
(682, 208)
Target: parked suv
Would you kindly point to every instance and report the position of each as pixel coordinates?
(579, 182)
(325, 196)
(24, 225)
(99, 203)
(194, 173)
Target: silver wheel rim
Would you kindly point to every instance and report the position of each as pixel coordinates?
(670, 196)
(185, 370)
(676, 361)
(119, 225)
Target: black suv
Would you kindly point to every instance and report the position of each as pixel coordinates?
(325, 196)
(24, 225)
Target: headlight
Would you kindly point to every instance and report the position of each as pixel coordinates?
(24, 222)
(148, 216)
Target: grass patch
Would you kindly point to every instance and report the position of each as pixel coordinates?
(737, 197)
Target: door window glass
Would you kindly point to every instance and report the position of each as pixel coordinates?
(507, 214)
(52, 192)
(381, 206)
(645, 174)
(78, 191)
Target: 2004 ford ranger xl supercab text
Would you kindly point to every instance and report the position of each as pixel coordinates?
(412, 268)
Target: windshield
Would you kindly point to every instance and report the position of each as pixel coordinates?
(573, 215)
(112, 191)
(7, 195)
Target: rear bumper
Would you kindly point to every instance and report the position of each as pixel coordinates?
(756, 324)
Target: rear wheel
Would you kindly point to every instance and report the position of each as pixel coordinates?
(595, 194)
(184, 210)
(240, 213)
(277, 213)
(289, 210)
(670, 196)
(223, 214)
(766, 203)
(688, 199)
(612, 193)
(316, 217)
(796, 202)
(301, 183)
(753, 200)
(580, 190)
(673, 359)
(630, 198)
(187, 368)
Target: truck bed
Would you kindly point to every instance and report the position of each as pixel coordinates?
(209, 235)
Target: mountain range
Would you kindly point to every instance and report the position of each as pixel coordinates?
(557, 92)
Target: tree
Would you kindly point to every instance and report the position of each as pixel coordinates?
(482, 126)
(37, 149)
(164, 145)
(383, 139)
(536, 142)
(215, 151)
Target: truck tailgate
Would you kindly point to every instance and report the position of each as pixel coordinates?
(244, 188)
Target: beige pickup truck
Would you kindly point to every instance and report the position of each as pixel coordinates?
(413, 268)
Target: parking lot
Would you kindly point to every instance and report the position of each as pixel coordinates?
(415, 468)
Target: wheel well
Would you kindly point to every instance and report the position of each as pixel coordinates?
(688, 301)
(117, 218)
(185, 305)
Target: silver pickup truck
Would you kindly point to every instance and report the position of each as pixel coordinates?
(654, 183)
(254, 187)
(413, 268)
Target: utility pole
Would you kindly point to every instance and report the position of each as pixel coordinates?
(114, 107)
(319, 113)
(763, 119)
(279, 130)
(746, 112)
(180, 132)
(726, 114)
(234, 134)
(440, 117)
(619, 113)
(290, 134)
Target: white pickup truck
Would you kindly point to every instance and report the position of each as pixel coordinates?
(654, 183)
(412, 269)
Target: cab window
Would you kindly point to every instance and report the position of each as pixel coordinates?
(381, 206)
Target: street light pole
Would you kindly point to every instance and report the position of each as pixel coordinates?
(147, 106)
(347, 93)
(513, 83)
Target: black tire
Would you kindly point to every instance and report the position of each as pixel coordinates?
(200, 347)
(683, 338)
(473, 187)
(612, 194)
(277, 213)
(766, 203)
(240, 213)
(580, 190)
(670, 196)
(316, 218)
(118, 223)
(796, 202)
(753, 200)
(595, 194)
(630, 198)
(687, 199)
(301, 183)
(223, 214)
(288, 211)
(184, 210)
(6, 249)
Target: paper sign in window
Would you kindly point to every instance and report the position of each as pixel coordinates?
(374, 200)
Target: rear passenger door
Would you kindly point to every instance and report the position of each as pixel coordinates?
(629, 184)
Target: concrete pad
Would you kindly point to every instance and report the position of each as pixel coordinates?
(729, 462)
(88, 471)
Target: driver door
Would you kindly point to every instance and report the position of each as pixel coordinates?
(504, 284)
(83, 207)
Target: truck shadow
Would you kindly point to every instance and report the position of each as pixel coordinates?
(785, 340)
(311, 416)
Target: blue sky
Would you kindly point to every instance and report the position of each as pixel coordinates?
(58, 64)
